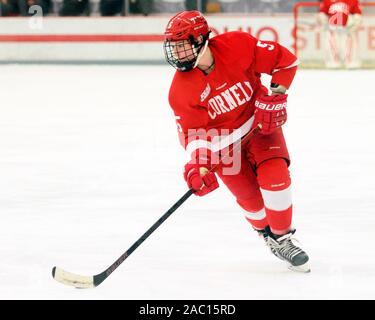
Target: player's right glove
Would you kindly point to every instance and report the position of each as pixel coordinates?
(270, 112)
(199, 178)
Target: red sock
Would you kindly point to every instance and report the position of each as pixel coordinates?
(275, 186)
(254, 212)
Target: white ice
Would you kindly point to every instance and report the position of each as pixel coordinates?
(89, 159)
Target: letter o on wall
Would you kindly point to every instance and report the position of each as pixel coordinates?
(272, 31)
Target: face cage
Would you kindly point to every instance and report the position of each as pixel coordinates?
(190, 49)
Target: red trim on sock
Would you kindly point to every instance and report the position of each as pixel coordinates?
(280, 221)
(258, 224)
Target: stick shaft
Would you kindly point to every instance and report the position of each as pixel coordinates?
(102, 276)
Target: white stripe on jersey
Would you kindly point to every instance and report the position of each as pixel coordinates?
(295, 63)
(220, 142)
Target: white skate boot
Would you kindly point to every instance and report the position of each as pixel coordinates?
(283, 248)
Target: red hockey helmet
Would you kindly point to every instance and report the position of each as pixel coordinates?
(185, 36)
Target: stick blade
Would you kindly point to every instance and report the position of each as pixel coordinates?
(72, 279)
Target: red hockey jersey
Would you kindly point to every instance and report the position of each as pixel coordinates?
(338, 11)
(222, 102)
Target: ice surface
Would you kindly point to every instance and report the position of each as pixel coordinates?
(89, 159)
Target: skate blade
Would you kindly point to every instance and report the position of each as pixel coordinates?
(304, 268)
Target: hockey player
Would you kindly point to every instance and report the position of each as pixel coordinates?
(217, 97)
(339, 21)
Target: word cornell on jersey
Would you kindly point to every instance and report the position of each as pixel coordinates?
(229, 99)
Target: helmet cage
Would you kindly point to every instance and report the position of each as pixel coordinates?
(189, 49)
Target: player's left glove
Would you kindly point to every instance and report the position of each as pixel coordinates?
(270, 112)
(199, 178)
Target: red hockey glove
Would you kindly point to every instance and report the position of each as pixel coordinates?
(197, 177)
(270, 112)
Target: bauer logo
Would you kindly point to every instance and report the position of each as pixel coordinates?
(270, 107)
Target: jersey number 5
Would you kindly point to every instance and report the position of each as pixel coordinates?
(265, 45)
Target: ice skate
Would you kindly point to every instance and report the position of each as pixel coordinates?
(284, 248)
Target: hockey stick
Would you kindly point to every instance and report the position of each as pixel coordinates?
(82, 282)
(79, 281)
